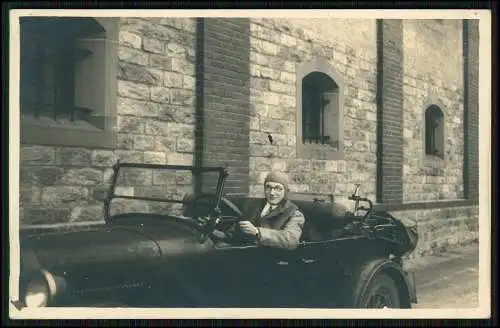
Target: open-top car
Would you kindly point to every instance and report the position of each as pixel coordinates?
(142, 259)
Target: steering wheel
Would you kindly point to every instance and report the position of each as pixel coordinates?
(211, 225)
(231, 205)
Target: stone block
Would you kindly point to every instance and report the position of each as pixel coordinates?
(263, 151)
(288, 78)
(181, 130)
(162, 95)
(133, 56)
(90, 213)
(180, 159)
(131, 124)
(143, 142)
(181, 65)
(82, 177)
(164, 144)
(129, 156)
(40, 176)
(161, 178)
(263, 47)
(67, 156)
(134, 107)
(156, 128)
(151, 157)
(188, 82)
(135, 177)
(139, 74)
(129, 39)
(59, 195)
(261, 164)
(279, 87)
(37, 155)
(124, 141)
(258, 59)
(277, 126)
(185, 145)
(287, 152)
(152, 45)
(182, 97)
(187, 24)
(175, 50)
(127, 89)
(45, 215)
(29, 196)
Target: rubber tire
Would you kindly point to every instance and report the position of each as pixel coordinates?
(381, 282)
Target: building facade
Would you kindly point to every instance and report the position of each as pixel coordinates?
(389, 104)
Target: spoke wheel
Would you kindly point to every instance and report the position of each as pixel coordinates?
(381, 293)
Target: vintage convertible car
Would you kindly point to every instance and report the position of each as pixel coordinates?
(344, 260)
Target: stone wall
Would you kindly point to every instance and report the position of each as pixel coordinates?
(157, 109)
(155, 124)
(432, 71)
(277, 46)
(444, 228)
(433, 74)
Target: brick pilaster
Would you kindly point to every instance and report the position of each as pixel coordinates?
(471, 108)
(390, 111)
(224, 99)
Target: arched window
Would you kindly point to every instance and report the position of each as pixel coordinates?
(320, 111)
(434, 131)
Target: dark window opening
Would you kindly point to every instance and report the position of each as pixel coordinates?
(319, 109)
(49, 54)
(434, 131)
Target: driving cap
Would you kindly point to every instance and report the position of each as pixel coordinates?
(277, 177)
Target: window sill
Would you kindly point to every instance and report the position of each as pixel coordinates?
(432, 165)
(433, 158)
(319, 151)
(79, 134)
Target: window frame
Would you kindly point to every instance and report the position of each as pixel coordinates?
(437, 146)
(313, 150)
(432, 101)
(38, 132)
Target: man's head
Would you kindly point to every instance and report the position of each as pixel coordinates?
(275, 187)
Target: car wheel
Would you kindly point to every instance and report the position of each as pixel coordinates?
(382, 292)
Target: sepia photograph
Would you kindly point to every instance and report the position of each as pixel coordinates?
(261, 163)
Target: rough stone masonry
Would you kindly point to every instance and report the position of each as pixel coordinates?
(163, 60)
(155, 124)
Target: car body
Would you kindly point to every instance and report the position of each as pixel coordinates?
(344, 260)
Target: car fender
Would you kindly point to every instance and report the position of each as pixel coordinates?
(367, 271)
(29, 267)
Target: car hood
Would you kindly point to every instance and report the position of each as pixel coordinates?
(132, 239)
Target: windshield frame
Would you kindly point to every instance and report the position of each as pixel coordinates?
(111, 195)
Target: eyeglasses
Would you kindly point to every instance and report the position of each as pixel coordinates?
(275, 188)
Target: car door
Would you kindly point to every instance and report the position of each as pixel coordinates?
(236, 275)
(290, 277)
(311, 273)
(259, 276)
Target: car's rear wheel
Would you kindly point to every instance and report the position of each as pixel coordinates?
(382, 292)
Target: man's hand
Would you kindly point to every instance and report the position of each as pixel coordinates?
(248, 228)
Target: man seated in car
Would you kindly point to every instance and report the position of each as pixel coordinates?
(273, 221)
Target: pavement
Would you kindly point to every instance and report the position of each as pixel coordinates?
(448, 280)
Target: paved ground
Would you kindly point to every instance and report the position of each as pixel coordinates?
(449, 280)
